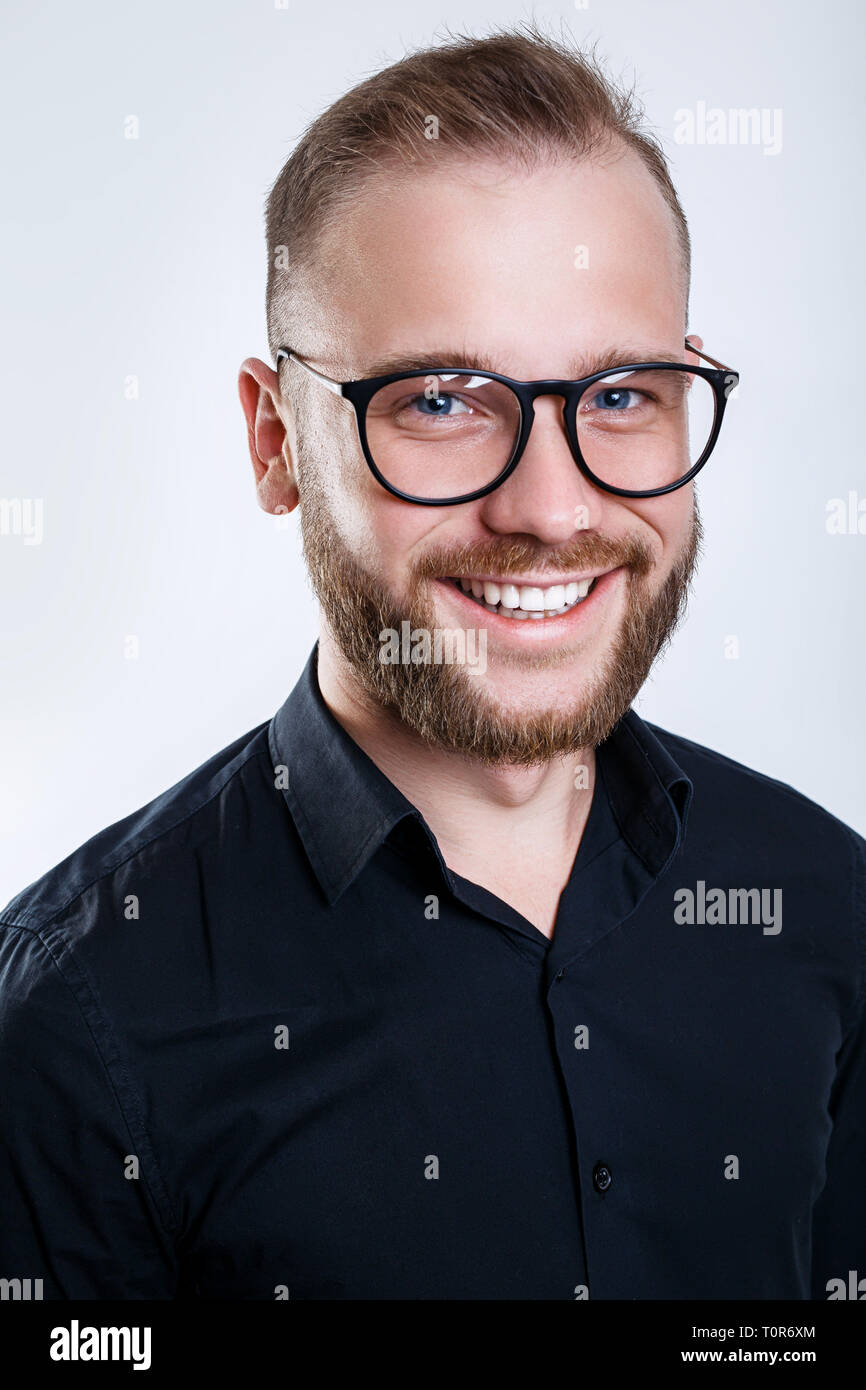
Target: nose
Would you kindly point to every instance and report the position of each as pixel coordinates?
(546, 496)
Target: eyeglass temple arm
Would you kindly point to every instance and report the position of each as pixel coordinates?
(337, 387)
(327, 381)
(706, 358)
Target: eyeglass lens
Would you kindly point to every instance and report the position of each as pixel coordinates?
(450, 434)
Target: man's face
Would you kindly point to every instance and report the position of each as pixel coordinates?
(484, 260)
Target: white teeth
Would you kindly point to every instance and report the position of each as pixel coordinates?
(531, 599)
(527, 600)
(555, 597)
(492, 592)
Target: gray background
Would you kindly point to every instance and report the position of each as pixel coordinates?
(145, 258)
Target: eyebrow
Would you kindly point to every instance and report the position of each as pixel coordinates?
(587, 364)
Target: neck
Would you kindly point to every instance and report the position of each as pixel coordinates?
(488, 821)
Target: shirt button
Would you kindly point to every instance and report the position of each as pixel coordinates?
(601, 1177)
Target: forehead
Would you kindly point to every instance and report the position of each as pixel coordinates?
(530, 266)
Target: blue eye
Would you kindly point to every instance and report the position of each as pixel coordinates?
(439, 405)
(614, 398)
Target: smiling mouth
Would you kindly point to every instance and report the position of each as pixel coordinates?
(523, 601)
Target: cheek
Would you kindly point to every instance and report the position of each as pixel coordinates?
(665, 524)
(397, 536)
(348, 495)
(383, 533)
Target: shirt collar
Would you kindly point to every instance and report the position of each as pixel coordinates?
(344, 806)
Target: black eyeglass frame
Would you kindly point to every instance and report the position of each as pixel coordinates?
(359, 393)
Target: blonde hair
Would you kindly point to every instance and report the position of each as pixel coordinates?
(517, 95)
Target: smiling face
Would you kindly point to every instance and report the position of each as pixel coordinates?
(483, 262)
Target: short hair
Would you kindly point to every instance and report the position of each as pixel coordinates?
(515, 95)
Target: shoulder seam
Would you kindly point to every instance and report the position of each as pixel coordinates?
(112, 868)
(713, 755)
(158, 1191)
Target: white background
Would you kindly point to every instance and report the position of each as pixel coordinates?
(147, 257)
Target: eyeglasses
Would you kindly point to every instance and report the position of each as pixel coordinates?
(443, 435)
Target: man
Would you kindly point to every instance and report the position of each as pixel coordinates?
(457, 980)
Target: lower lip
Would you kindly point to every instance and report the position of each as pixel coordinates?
(540, 629)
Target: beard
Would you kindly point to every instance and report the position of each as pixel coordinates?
(444, 704)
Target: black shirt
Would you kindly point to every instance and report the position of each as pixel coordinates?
(260, 1042)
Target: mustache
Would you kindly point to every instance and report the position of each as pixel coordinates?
(588, 550)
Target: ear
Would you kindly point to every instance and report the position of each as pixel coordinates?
(696, 342)
(269, 426)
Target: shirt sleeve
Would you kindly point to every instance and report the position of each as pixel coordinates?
(839, 1216)
(77, 1207)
